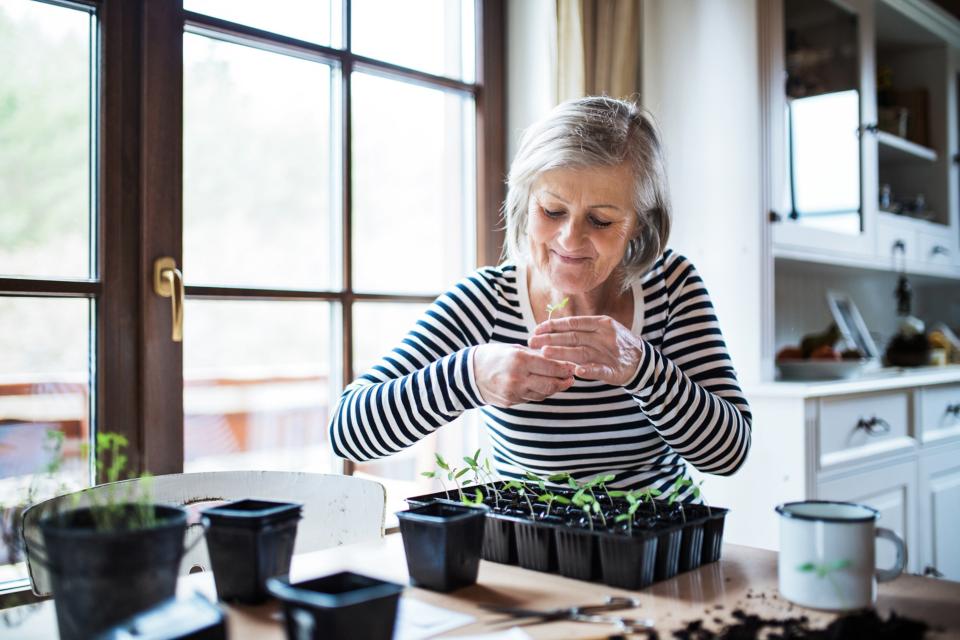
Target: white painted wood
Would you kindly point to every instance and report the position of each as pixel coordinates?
(896, 149)
(690, 52)
(890, 235)
(531, 66)
(337, 509)
(891, 378)
(892, 490)
(936, 424)
(940, 509)
(937, 249)
(842, 442)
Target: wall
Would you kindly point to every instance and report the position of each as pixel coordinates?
(701, 80)
(531, 65)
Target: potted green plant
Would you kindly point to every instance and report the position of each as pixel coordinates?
(113, 558)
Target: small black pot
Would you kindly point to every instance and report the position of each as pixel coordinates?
(628, 560)
(668, 552)
(250, 541)
(536, 545)
(339, 606)
(712, 532)
(442, 542)
(499, 544)
(100, 578)
(577, 553)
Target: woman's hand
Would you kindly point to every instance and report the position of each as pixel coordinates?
(602, 348)
(511, 374)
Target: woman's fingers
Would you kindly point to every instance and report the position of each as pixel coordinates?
(572, 323)
(546, 366)
(575, 355)
(540, 387)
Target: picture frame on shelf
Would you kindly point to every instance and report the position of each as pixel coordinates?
(850, 323)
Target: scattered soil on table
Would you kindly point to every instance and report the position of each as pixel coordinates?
(865, 625)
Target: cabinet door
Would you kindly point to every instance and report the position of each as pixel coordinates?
(823, 196)
(940, 510)
(891, 490)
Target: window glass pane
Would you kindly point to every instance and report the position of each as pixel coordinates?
(413, 186)
(378, 328)
(257, 385)
(44, 390)
(309, 20)
(45, 140)
(258, 184)
(436, 36)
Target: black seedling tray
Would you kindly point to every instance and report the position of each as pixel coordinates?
(670, 542)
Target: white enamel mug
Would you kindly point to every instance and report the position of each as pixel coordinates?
(827, 554)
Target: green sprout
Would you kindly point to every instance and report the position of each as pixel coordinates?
(675, 490)
(109, 512)
(482, 474)
(437, 475)
(635, 501)
(550, 498)
(522, 490)
(648, 495)
(475, 501)
(556, 307)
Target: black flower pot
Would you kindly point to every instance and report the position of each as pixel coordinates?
(250, 541)
(536, 545)
(628, 560)
(577, 555)
(340, 606)
(442, 542)
(691, 545)
(712, 532)
(100, 578)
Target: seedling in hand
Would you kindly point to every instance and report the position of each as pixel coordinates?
(556, 307)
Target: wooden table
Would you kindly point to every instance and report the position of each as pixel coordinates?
(745, 578)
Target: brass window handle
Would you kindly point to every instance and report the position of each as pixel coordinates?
(168, 283)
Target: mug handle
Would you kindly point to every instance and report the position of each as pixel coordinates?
(883, 575)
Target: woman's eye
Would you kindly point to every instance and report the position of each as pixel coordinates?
(600, 224)
(553, 214)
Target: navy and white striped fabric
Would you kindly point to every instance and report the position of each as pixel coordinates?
(684, 404)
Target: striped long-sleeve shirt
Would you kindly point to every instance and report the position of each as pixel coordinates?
(683, 404)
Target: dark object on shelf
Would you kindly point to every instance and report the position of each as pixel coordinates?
(250, 541)
(339, 606)
(917, 104)
(101, 578)
(442, 543)
(908, 351)
(615, 554)
(814, 341)
(190, 618)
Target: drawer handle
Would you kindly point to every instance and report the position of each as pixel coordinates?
(932, 572)
(953, 410)
(940, 250)
(873, 426)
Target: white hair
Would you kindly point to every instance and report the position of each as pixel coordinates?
(595, 131)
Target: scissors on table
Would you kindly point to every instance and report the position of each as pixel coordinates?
(597, 613)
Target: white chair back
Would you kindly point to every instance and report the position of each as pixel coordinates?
(337, 509)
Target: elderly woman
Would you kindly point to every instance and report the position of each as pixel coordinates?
(629, 377)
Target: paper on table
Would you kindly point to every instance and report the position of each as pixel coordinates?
(417, 620)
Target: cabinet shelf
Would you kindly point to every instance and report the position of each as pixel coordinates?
(896, 149)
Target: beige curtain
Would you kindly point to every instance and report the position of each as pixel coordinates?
(598, 48)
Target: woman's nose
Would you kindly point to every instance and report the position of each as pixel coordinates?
(571, 234)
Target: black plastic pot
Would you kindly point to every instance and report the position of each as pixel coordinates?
(577, 553)
(668, 553)
(250, 541)
(442, 542)
(499, 544)
(339, 606)
(190, 617)
(629, 561)
(536, 545)
(100, 578)
(712, 532)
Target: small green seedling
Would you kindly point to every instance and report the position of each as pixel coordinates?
(587, 504)
(634, 502)
(475, 501)
(648, 495)
(675, 490)
(556, 307)
(550, 498)
(697, 493)
(108, 509)
(522, 490)
(482, 474)
(438, 475)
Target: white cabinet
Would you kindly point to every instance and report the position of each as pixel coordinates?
(810, 442)
(940, 510)
(907, 58)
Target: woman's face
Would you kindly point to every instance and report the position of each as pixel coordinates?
(579, 223)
